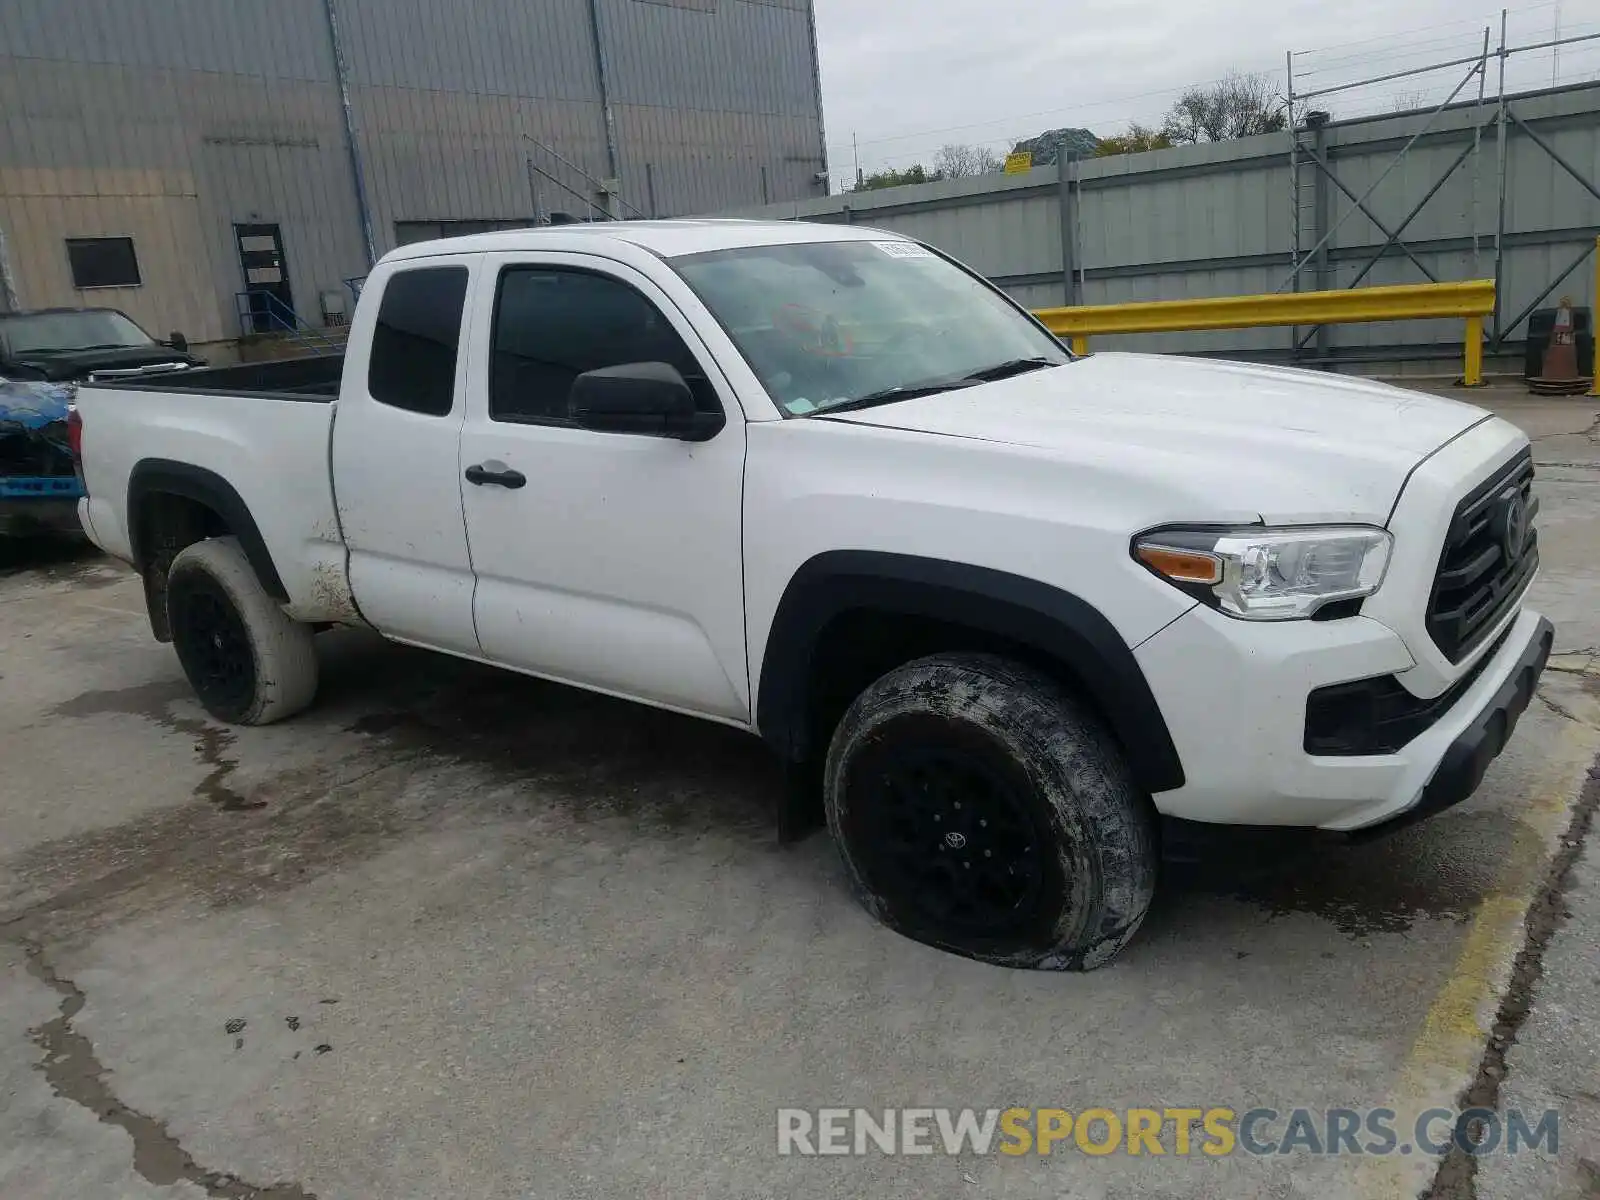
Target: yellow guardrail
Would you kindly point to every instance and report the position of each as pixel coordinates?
(1471, 301)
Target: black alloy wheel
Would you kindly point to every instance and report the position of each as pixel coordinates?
(212, 643)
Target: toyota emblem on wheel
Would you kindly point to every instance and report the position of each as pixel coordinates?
(955, 840)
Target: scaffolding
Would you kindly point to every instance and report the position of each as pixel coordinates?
(1313, 180)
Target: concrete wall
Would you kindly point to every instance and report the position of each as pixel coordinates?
(1218, 219)
(171, 120)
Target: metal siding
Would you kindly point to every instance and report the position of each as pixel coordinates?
(1204, 205)
(735, 56)
(282, 40)
(484, 47)
(174, 120)
(707, 96)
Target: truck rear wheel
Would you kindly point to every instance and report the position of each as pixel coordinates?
(980, 809)
(248, 663)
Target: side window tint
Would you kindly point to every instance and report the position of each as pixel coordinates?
(413, 362)
(550, 326)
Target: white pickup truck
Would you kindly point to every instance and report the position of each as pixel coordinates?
(1013, 613)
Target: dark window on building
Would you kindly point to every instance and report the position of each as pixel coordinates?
(103, 262)
(413, 361)
(550, 326)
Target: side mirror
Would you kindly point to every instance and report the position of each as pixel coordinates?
(178, 342)
(647, 397)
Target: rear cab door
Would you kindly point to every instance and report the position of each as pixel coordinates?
(396, 443)
(616, 562)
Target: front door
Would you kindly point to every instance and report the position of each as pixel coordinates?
(266, 278)
(610, 560)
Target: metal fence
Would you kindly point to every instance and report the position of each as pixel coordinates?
(1501, 187)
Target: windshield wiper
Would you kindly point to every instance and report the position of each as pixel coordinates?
(901, 392)
(1004, 370)
(1012, 366)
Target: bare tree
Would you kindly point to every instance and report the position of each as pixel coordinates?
(957, 162)
(1238, 106)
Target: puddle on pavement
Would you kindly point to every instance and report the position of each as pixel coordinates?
(1441, 868)
(148, 700)
(607, 757)
(153, 701)
(539, 750)
(454, 744)
(60, 558)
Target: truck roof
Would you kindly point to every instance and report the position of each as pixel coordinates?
(668, 239)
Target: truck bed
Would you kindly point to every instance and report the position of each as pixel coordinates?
(254, 439)
(312, 377)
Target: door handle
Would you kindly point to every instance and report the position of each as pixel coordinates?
(481, 476)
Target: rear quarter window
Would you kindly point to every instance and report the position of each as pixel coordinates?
(413, 360)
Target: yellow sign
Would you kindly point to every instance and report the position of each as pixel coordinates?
(1019, 162)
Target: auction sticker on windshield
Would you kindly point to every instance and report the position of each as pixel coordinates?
(904, 250)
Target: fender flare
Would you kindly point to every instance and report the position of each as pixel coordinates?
(1045, 619)
(161, 476)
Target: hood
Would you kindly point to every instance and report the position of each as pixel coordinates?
(1249, 442)
(80, 364)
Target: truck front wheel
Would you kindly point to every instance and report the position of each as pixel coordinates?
(980, 809)
(248, 663)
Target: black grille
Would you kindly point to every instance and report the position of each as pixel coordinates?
(1378, 716)
(1481, 575)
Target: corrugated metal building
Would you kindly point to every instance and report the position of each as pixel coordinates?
(215, 135)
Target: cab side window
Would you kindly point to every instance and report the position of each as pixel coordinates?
(413, 360)
(552, 324)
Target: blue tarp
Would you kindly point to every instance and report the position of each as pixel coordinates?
(37, 410)
(33, 405)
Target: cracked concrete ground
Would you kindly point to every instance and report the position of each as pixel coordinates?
(459, 933)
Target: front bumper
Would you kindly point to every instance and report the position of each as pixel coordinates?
(1461, 769)
(1234, 696)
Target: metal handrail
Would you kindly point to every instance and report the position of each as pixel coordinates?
(1472, 301)
(281, 317)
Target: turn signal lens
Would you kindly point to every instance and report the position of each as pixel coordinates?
(1181, 566)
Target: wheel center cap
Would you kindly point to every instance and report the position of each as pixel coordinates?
(955, 840)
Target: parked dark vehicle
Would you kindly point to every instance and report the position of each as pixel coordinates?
(74, 345)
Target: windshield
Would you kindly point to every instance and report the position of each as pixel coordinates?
(63, 332)
(827, 325)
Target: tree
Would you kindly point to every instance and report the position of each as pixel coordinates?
(916, 173)
(1138, 138)
(1238, 106)
(958, 162)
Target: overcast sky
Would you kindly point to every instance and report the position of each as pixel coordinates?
(911, 75)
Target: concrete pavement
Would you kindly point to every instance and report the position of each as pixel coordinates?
(459, 933)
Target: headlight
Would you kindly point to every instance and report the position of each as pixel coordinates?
(1261, 574)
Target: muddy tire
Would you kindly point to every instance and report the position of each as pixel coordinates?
(248, 663)
(979, 808)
